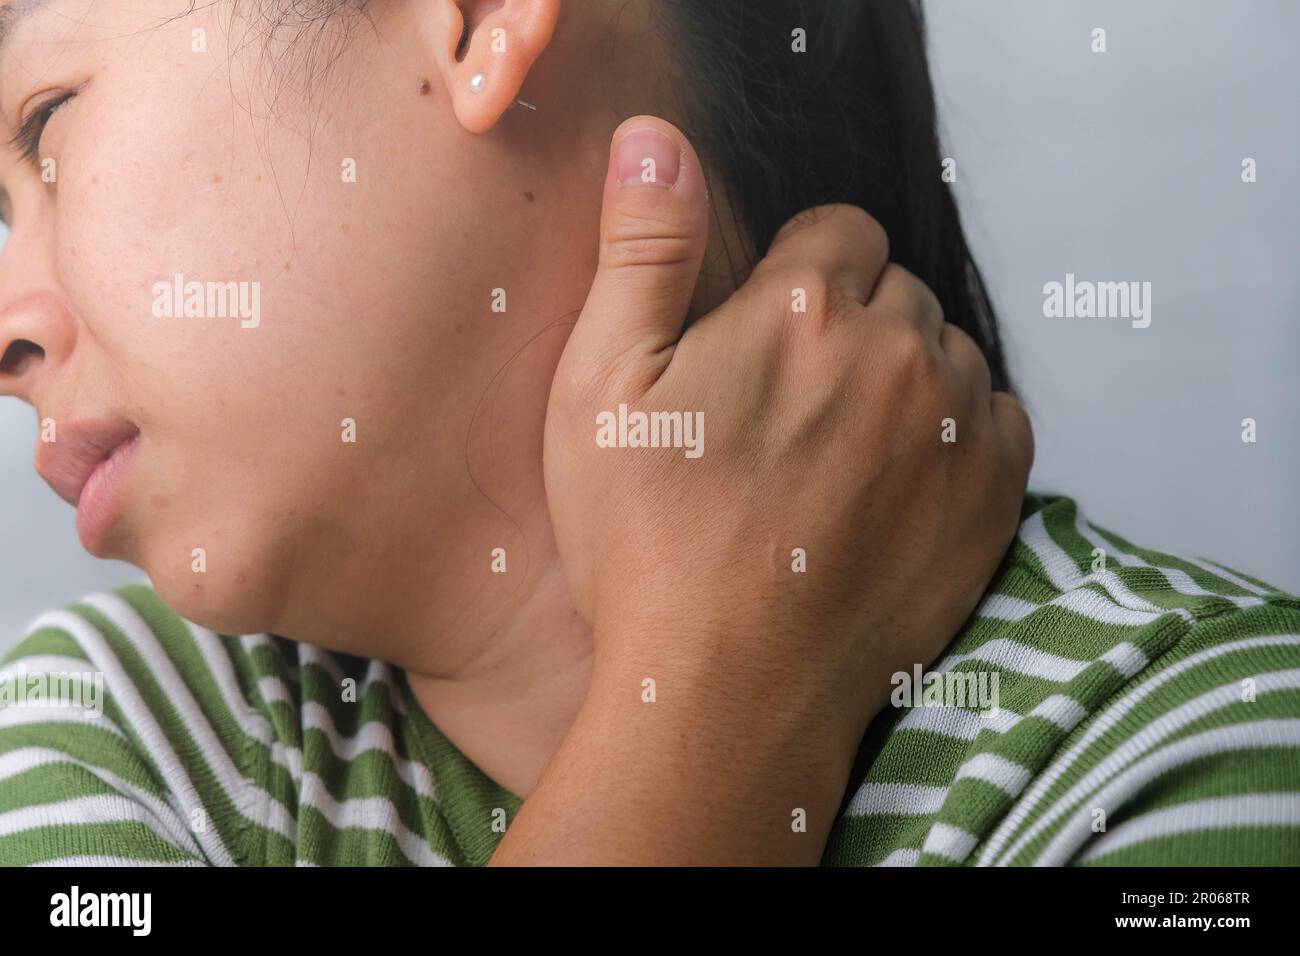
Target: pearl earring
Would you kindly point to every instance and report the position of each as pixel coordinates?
(478, 82)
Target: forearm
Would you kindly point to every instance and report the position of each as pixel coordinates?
(719, 769)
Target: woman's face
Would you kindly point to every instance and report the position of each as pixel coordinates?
(366, 232)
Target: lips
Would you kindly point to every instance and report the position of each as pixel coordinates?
(80, 448)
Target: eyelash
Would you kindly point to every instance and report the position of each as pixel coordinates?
(28, 138)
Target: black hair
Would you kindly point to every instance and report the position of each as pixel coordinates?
(851, 120)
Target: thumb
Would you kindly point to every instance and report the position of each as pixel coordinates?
(653, 232)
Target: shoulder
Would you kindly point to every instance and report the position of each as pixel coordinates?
(1146, 607)
(129, 735)
(1141, 708)
(1194, 756)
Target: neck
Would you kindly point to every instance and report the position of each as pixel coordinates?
(509, 705)
(500, 661)
(505, 680)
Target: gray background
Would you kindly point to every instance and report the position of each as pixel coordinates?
(1116, 166)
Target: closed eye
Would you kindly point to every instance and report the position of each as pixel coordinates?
(28, 138)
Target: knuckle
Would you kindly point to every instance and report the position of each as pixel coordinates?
(909, 294)
(633, 240)
(915, 364)
(801, 221)
(866, 230)
(812, 292)
(969, 356)
(922, 303)
(1010, 407)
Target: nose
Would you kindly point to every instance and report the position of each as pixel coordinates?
(36, 336)
(37, 330)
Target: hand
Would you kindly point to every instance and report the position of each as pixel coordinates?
(809, 534)
(821, 431)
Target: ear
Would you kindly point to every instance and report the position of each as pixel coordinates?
(503, 39)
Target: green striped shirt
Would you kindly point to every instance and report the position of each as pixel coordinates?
(1147, 712)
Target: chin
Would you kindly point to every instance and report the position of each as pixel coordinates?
(226, 597)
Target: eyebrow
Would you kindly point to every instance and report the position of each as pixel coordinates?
(11, 14)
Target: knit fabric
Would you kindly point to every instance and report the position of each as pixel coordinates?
(1146, 711)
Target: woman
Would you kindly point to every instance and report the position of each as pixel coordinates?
(404, 197)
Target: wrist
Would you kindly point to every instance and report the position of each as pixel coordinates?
(704, 737)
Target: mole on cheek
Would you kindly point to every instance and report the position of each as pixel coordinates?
(424, 87)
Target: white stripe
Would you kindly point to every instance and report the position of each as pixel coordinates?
(908, 799)
(1150, 737)
(16, 715)
(90, 861)
(1254, 735)
(1065, 712)
(1122, 607)
(1007, 775)
(953, 842)
(139, 718)
(957, 722)
(274, 691)
(47, 664)
(1215, 813)
(1228, 574)
(372, 735)
(377, 672)
(1004, 607)
(1010, 654)
(1107, 719)
(1179, 580)
(369, 813)
(1061, 569)
(1184, 583)
(101, 808)
(252, 642)
(311, 655)
(1097, 607)
(1126, 659)
(161, 817)
(247, 795)
(1092, 535)
(950, 842)
(252, 723)
(961, 724)
(901, 858)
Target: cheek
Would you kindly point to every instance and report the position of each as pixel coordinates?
(361, 319)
